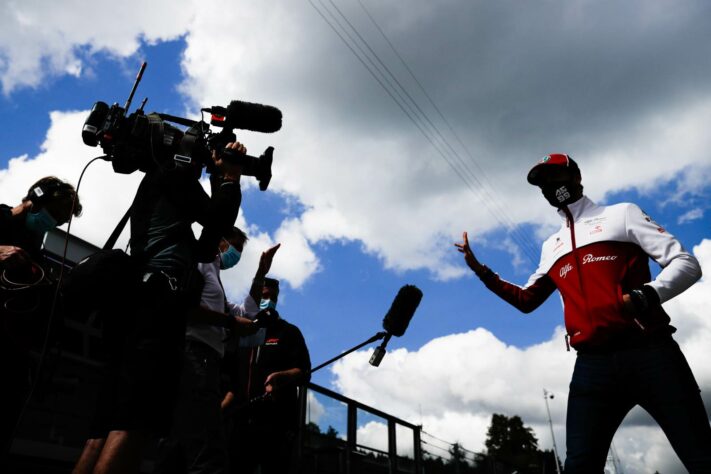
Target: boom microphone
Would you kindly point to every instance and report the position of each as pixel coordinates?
(246, 116)
(403, 308)
(397, 318)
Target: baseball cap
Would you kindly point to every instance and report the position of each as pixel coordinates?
(547, 163)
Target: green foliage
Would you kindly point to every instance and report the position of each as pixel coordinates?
(512, 446)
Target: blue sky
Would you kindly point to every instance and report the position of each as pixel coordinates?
(363, 203)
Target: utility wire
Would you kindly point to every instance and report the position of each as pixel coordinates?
(447, 442)
(512, 227)
(434, 135)
(485, 194)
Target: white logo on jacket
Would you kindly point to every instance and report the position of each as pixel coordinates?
(565, 269)
(590, 258)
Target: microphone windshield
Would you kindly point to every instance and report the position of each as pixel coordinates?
(403, 308)
(254, 117)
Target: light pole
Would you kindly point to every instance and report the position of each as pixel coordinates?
(546, 396)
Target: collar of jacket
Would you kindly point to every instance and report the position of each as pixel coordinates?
(577, 209)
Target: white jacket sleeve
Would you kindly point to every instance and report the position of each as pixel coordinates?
(248, 309)
(680, 269)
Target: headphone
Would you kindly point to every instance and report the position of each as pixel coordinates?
(41, 194)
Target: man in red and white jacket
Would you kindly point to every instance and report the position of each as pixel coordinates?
(598, 261)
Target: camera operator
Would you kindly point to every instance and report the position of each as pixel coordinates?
(49, 203)
(142, 385)
(197, 441)
(263, 398)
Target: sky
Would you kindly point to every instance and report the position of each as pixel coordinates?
(405, 124)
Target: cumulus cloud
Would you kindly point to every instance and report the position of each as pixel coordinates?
(453, 384)
(364, 173)
(42, 40)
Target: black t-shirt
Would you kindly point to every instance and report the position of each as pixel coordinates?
(284, 348)
(168, 201)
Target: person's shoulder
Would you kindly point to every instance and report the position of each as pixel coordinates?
(619, 207)
(286, 326)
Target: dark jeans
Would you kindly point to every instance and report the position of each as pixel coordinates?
(197, 441)
(605, 387)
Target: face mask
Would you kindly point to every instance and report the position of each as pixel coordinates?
(229, 258)
(40, 222)
(561, 194)
(264, 304)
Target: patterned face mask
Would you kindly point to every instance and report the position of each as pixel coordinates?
(561, 194)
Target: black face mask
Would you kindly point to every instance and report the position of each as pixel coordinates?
(562, 193)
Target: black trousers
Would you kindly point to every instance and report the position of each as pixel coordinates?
(269, 447)
(196, 443)
(605, 387)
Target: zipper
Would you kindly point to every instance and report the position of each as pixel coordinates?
(579, 267)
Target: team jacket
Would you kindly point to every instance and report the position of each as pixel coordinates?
(599, 254)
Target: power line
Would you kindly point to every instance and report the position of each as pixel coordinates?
(487, 182)
(482, 185)
(416, 114)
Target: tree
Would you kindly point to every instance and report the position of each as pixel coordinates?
(457, 458)
(331, 432)
(511, 443)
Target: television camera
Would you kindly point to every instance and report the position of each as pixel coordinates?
(141, 141)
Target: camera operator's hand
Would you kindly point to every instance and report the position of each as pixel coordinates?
(13, 257)
(469, 255)
(230, 171)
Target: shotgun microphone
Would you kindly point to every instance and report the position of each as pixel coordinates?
(246, 116)
(397, 318)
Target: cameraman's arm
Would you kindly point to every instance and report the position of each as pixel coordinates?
(221, 211)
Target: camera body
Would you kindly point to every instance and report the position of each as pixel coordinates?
(140, 141)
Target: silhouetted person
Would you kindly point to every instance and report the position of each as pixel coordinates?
(599, 262)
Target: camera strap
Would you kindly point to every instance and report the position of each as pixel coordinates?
(184, 156)
(117, 231)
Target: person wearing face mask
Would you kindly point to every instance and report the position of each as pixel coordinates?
(197, 441)
(49, 203)
(266, 370)
(626, 356)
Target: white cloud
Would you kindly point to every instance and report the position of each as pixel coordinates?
(453, 384)
(690, 216)
(315, 409)
(389, 189)
(40, 40)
